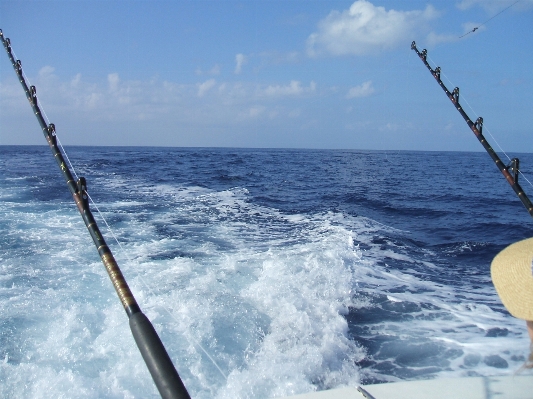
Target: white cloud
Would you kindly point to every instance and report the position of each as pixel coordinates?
(208, 105)
(45, 78)
(294, 88)
(46, 71)
(113, 81)
(363, 90)
(92, 100)
(240, 60)
(365, 28)
(205, 87)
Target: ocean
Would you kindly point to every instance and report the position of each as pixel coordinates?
(267, 272)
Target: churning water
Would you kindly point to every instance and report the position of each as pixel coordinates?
(266, 272)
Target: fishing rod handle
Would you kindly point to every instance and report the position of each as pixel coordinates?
(163, 372)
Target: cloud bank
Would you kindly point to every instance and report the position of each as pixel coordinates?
(112, 99)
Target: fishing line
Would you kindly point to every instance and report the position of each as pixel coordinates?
(130, 261)
(41, 107)
(28, 80)
(485, 128)
(479, 26)
(68, 159)
(146, 285)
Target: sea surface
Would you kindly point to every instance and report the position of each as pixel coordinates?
(267, 272)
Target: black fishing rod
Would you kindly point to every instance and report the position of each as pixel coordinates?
(477, 128)
(155, 356)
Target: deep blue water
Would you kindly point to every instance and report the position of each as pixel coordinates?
(292, 270)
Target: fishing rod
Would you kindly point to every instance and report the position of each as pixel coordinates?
(153, 351)
(477, 127)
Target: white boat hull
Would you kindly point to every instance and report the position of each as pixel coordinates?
(505, 387)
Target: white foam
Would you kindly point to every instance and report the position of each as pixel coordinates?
(262, 293)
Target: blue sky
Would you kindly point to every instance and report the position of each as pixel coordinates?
(291, 74)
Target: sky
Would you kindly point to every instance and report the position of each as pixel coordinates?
(269, 74)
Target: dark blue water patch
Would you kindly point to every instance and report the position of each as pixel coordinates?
(495, 361)
(381, 309)
(224, 177)
(497, 332)
(271, 201)
(471, 360)
(465, 249)
(36, 188)
(422, 353)
(372, 205)
(389, 355)
(166, 255)
(518, 358)
(51, 193)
